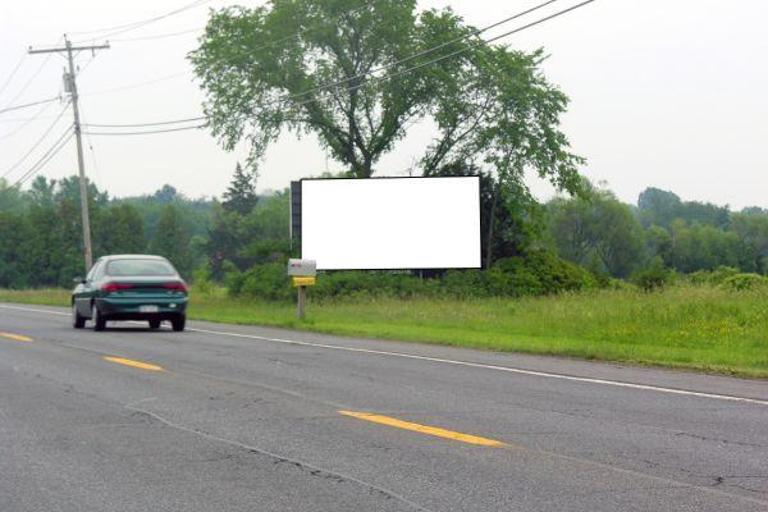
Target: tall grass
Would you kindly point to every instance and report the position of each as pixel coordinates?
(695, 327)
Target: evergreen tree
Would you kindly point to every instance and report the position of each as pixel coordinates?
(241, 195)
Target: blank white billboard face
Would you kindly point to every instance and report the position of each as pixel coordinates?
(391, 223)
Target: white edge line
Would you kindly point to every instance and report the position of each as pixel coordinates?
(508, 369)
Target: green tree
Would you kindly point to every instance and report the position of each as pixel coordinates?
(15, 263)
(492, 105)
(11, 198)
(597, 231)
(172, 239)
(241, 195)
(121, 230)
(752, 227)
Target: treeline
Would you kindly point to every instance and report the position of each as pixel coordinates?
(243, 240)
(615, 239)
(41, 230)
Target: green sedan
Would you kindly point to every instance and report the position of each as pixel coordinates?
(130, 287)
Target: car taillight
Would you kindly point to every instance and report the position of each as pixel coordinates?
(115, 287)
(176, 287)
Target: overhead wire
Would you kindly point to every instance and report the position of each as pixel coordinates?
(29, 82)
(139, 125)
(13, 73)
(39, 141)
(157, 36)
(127, 27)
(57, 146)
(148, 132)
(26, 122)
(27, 105)
(135, 85)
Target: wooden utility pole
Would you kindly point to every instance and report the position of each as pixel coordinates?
(70, 83)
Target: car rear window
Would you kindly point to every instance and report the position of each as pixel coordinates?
(136, 267)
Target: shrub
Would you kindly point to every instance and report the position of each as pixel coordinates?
(653, 277)
(539, 273)
(743, 282)
(202, 279)
(712, 277)
(267, 281)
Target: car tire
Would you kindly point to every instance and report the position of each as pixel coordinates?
(99, 322)
(179, 322)
(78, 322)
(154, 324)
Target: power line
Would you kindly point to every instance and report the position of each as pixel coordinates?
(29, 82)
(139, 125)
(13, 73)
(157, 36)
(39, 141)
(120, 29)
(57, 146)
(26, 122)
(27, 105)
(148, 132)
(135, 85)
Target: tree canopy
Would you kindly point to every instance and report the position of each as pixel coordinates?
(359, 74)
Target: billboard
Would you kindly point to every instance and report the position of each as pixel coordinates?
(390, 223)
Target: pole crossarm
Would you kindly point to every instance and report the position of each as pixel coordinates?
(104, 46)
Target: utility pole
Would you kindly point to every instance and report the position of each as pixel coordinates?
(70, 83)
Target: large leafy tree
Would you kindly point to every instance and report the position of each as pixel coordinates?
(598, 231)
(358, 73)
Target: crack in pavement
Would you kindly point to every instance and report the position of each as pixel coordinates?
(279, 459)
(720, 440)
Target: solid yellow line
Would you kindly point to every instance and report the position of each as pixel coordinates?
(14, 337)
(424, 429)
(134, 364)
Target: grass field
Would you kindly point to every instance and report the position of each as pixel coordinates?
(702, 328)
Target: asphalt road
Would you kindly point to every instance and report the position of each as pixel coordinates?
(232, 418)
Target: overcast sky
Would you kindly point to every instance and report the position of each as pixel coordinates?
(663, 93)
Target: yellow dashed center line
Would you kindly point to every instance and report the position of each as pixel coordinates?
(15, 337)
(134, 364)
(424, 429)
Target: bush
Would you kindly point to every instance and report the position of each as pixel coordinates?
(653, 277)
(267, 281)
(539, 273)
(744, 282)
(712, 277)
(202, 279)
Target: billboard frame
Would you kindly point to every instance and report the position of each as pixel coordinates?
(296, 227)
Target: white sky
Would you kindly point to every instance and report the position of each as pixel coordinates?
(664, 93)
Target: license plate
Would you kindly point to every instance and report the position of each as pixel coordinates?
(148, 309)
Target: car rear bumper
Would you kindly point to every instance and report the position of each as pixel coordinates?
(130, 308)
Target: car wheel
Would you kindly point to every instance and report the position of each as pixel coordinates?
(78, 322)
(154, 324)
(179, 322)
(99, 322)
